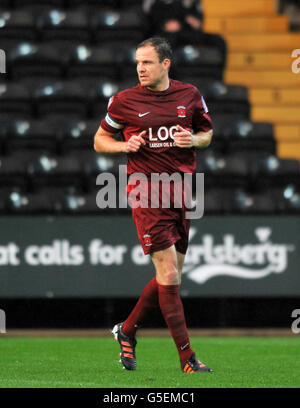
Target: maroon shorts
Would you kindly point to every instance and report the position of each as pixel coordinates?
(160, 228)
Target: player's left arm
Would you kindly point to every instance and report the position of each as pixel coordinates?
(185, 139)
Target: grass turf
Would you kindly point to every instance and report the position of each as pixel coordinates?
(251, 362)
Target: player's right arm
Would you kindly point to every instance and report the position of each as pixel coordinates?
(114, 122)
(104, 142)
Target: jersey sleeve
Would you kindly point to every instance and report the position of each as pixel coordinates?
(114, 120)
(201, 119)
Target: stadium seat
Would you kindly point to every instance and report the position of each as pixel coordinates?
(237, 170)
(126, 4)
(3, 133)
(246, 135)
(228, 118)
(217, 201)
(94, 4)
(86, 204)
(235, 8)
(224, 120)
(38, 60)
(119, 45)
(58, 191)
(77, 135)
(31, 204)
(74, 203)
(191, 60)
(219, 141)
(246, 128)
(17, 25)
(221, 122)
(272, 171)
(225, 98)
(99, 95)
(263, 78)
(43, 3)
(8, 45)
(54, 171)
(5, 192)
(64, 98)
(3, 209)
(13, 171)
(15, 100)
(100, 163)
(95, 62)
(221, 97)
(128, 64)
(33, 135)
(262, 42)
(259, 24)
(244, 202)
(223, 171)
(118, 25)
(63, 25)
(94, 163)
(288, 198)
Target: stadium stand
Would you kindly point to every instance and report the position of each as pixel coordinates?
(117, 26)
(260, 45)
(59, 97)
(13, 171)
(42, 3)
(63, 25)
(75, 135)
(17, 25)
(15, 99)
(196, 61)
(92, 62)
(65, 59)
(31, 135)
(34, 60)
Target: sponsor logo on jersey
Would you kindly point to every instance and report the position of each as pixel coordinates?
(181, 111)
(209, 259)
(143, 114)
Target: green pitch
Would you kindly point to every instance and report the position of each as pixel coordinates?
(90, 362)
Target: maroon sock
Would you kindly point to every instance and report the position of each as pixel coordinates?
(147, 301)
(172, 310)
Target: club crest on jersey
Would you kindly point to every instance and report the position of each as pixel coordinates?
(147, 240)
(181, 111)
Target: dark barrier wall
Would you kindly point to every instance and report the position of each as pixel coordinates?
(101, 257)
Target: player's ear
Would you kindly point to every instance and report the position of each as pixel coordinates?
(167, 63)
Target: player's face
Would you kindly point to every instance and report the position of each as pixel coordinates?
(151, 72)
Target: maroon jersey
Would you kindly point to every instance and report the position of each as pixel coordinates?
(158, 112)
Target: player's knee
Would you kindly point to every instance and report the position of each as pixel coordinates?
(169, 276)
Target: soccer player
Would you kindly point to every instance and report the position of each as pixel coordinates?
(162, 121)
